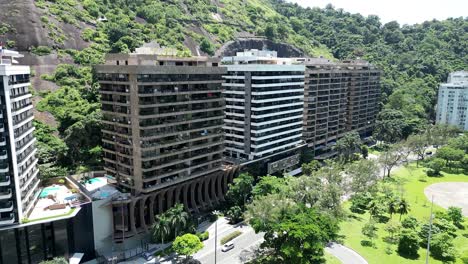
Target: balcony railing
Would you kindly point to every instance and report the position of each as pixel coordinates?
(7, 220)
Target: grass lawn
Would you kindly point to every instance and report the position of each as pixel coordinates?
(413, 191)
(330, 259)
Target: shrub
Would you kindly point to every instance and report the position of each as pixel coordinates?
(235, 214)
(61, 181)
(41, 50)
(456, 216)
(442, 247)
(359, 202)
(408, 243)
(410, 222)
(230, 237)
(203, 236)
(207, 47)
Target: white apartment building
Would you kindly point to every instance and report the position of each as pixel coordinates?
(264, 104)
(19, 181)
(452, 103)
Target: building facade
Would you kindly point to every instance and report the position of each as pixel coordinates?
(264, 105)
(339, 97)
(162, 135)
(452, 102)
(19, 181)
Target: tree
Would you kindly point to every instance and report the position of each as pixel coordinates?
(410, 222)
(389, 126)
(435, 165)
(240, 190)
(393, 228)
(392, 207)
(418, 144)
(300, 237)
(360, 202)
(364, 175)
(408, 244)
(364, 151)
(456, 216)
(347, 145)
(179, 218)
(268, 185)
(450, 155)
(207, 47)
(311, 167)
(442, 247)
(161, 229)
(390, 158)
(235, 214)
(376, 208)
(370, 231)
(403, 207)
(187, 245)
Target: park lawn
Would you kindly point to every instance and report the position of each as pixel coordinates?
(413, 190)
(330, 259)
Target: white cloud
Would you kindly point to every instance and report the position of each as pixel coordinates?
(403, 11)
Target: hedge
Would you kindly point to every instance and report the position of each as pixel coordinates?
(230, 237)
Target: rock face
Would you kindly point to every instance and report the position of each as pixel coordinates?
(27, 29)
(284, 50)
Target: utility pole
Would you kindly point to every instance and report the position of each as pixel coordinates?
(216, 233)
(430, 232)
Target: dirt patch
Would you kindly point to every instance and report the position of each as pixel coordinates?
(449, 194)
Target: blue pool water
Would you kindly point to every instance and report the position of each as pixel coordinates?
(48, 190)
(95, 180)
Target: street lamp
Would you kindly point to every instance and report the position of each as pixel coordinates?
(216, 212)
(430, 232)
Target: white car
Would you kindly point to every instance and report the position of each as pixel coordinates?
(228, 246)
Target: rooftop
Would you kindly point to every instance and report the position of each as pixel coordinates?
(59, 199)
(7, 57)
(255, 56)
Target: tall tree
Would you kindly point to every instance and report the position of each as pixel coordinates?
(240, 190)
(391, 158)
(348, 145)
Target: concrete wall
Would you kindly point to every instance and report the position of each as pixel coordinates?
(102, 223)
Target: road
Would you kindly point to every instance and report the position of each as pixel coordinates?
(344, 254)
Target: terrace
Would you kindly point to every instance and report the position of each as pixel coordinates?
(58, 198)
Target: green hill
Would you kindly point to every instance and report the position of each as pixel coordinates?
(77, 33)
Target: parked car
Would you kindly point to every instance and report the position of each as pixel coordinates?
(228, 246)
(147, 256)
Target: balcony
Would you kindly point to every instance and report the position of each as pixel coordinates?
(2, 141)
(6, 207)
(3, 154)
(5, 181)
(7, 220)
(4, 168)
(5, 195)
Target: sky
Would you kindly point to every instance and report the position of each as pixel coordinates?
(403, 11)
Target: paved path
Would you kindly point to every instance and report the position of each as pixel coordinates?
(344, 254)
(449, 194)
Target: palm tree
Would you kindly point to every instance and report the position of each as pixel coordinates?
(374, 208)
(178, 218)
(161, 228)
(392, 207)
(403, 207)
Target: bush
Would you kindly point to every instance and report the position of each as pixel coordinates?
(41, 50)
(456, 216)
(235, 215)
(61, 181)
(360, 202)
(203, 236)
(230, 237)
(442, 247)
(410, 222)
(464, 257)
(408, 243)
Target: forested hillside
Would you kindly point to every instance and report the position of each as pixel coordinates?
(414, 59)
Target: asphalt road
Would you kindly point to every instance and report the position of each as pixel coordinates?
(344, 254)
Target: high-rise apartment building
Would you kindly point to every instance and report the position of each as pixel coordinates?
(19, 181)
(264, 105)
(339, 97)
(452, 103)
(162, 133)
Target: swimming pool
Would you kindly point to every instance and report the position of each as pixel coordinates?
(95, 180)
(49, 190)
